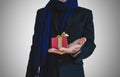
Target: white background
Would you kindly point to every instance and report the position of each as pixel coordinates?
(17, 19)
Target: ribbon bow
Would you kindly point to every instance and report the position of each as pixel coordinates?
(60, 39)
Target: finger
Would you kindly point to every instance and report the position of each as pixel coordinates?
(56, 51)
(62, 49)
(59, 52)
(65, 50)
(75, 46)
(82, 41)
(70, 45)
(52, 49)
(75, 42)
(77, 49)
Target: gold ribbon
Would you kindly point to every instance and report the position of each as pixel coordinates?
(60, 39)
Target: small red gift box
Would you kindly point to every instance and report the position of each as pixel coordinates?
(60, 41)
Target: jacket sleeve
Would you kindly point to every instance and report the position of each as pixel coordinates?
(30, 72)
(89, 46)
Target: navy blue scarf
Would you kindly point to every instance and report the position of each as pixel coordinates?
(42, 45)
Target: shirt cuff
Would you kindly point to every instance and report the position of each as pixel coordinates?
(75, 55)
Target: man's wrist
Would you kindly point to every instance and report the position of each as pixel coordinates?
(75, 54)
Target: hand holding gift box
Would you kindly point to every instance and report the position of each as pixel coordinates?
(71, 49)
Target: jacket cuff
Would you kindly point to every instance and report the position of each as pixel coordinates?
(76, 54)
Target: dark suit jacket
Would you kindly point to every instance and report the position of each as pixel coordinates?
(79, 24)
